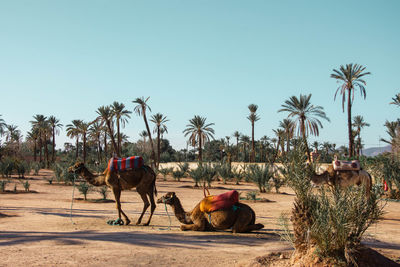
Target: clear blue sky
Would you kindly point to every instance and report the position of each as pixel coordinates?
(211, 58)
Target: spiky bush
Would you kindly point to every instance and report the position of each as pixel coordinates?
(26, 185)
(178, 174)
(238, 175)
(36, 168)
(209, 173)
(58, 171)
(103, 192)
(331, 221)
(84, 188)
(251, 195)
(183, 167)
(165, 172)
(197, 174)
(226, 172)
(3, 185)
(261, 176)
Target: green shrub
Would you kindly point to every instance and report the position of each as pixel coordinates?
(104, 192)
(209, 173)
(251, 195)
(165, 172)
(84, 188)
(197, 174)
(261, 176)
(178, 175)
(225, 172)
(183, 167)
(3, 185)
(58, 171)
(332, 220)
(26, 185)
(68, 177)
(36, 168)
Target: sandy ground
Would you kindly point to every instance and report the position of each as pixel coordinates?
(36, 229)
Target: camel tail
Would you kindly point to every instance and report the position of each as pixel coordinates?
(154, 180)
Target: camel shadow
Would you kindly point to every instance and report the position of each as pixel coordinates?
(146, 239)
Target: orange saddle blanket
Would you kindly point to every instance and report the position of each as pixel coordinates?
(223, 201)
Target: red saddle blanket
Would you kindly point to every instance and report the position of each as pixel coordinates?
(124, 164)
(223, 201)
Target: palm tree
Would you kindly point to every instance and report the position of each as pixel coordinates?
(95, 131)
(287, 126)
(237, 135)
(33, 136)
(144, 135)
(359, 123)
(245, 140)
(73, 131)
(2, 126)
(159, 120)
(280, 133)
(83, 130)
(55, 126)
(121, 116)
(140, 110)
(106, 116)
(350, 76)
(40, 122)
(305, 117)
(392, 129)
(396, 100)
(253, 117)
(199, 132)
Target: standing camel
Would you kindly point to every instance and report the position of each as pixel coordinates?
(144, 179)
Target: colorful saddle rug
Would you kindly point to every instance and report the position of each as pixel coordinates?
(223, 201)
(342, 165)
(125, 164)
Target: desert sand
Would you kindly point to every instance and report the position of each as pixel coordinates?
(37, 229)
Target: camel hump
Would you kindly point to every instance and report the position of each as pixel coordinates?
(125, 164)
(222, 201)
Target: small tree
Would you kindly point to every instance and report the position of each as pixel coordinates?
(261, 176)
(103, 192)
(178, 174)
(84, 188)
(197, 174)
(165, 172)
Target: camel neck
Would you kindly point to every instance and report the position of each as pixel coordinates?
(97, 180)
(180, 213)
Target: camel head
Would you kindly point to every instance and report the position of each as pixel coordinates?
(168, 198)
(76, 168)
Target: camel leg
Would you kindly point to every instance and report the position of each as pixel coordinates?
(245, 223)
(145, 206)
(117, 195)
(153, 207)
(199, 225)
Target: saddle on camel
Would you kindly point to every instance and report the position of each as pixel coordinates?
(125, 164)
(223, 201)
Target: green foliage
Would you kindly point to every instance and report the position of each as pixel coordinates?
(333, 220)
(209, 173)
(84, 188)
(261, 176)
(7, 166)
(277, 182)
(251, 195)
(226, 172)
(178, 174)
(36, 168)
(58, 171)
(103, 192)
(285, 233)
(238, 175)
(3, 185)
(197, 174)
(68, 178)
(165, 172)
(26, 185)
(183, 167)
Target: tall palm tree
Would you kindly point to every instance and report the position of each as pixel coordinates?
(396, 100)
(2, 126)
(73, 131)
(83, 130)
(140, 109)
(393, 130)
(159, 120)
(280, 133)
(253, 117)
(106, 116)
(351, 79)
(121, 116)
(95, 131)
(40, 122)
(305, 117)
(245, 140)
(33, 136)
(237, 135)
(287, 126)
(199, 132)
(55, 129)
(359, 123)
(144, 135)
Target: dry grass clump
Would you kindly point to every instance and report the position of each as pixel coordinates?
(328, 225)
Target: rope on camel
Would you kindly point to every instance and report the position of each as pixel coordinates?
(169, 217)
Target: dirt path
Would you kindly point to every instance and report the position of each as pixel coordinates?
(37, 230)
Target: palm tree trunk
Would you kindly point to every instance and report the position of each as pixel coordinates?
(112, 139)
(287, 142)
(34, 150)
(158, 146)
(118, 138)
(98, 148)
(351, 145)
(77, 148)
(303, 132)
(252, 143)
(200, 151)
(105, 145)
(153, 154)
(40, 148)
(46, 151)
(84, 148)
(54, 145)
(237, 149)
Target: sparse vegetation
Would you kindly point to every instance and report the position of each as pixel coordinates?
(84, 188)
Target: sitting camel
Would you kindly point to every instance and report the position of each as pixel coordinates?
(240, 217)
(144, 179)
(343, 178)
